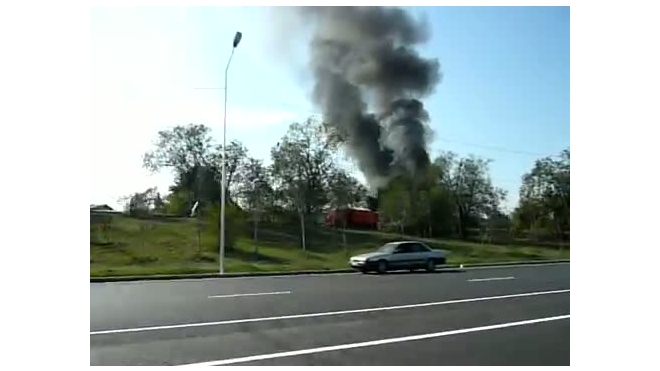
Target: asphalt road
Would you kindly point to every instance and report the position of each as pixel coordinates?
(494, 316)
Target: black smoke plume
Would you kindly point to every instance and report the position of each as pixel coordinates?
(368, 82)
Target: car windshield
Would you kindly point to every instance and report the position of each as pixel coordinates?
(387, 248)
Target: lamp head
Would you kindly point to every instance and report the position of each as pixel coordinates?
(237, 38)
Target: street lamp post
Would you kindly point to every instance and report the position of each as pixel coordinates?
(237, 40)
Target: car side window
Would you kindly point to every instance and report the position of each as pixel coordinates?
(420, 248)
(403, 248)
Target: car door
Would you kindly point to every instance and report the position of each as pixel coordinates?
(419, 254)
(402, 257)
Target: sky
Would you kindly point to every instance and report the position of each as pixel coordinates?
(505, 93)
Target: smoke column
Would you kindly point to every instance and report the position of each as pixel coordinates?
(368, 80)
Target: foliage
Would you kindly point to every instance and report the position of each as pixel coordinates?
(237, 155)
(254, 190)
(143, 203)
(453, 196)
(178, 203)
(235, 219)
(545, 196)
(181, 148)
(302, 161)
(472, 191)
(196, 162)
(344, 190)
(395, 204)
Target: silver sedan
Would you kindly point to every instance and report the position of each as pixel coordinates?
(399, 255)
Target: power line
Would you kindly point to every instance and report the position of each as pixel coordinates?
(499, 149)
(307, 110)
(477, 145)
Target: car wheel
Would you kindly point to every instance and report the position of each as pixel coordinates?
(382, 266)
(364, 270)
(430, 266)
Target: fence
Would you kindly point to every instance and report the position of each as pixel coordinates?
(122, 244)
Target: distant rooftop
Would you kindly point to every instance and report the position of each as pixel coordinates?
(100, 207)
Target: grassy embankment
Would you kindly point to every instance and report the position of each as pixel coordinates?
(145, 247)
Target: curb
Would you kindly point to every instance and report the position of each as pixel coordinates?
(165, 277)
(213, 275)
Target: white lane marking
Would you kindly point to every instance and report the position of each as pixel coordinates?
(325, 274)
(323, 314)
(513, 266)
(255, 294)
(491, 279)
(440, 269)
(377, 342)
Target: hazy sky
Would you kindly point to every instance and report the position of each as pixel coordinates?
(505, 93)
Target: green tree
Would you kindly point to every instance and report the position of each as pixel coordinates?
(178, 203)
(235, 218)
(394, 203)
(159, 203)
(196, 163)
(180, 148)
(421, 205)
(237, 155)
(344, 191)
(545, 196)
(473, 193)
(442, 212)
(141, 203)
(187, 151)
(301, 162)
(255, 192)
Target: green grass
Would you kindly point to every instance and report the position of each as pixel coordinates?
(147, 247)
